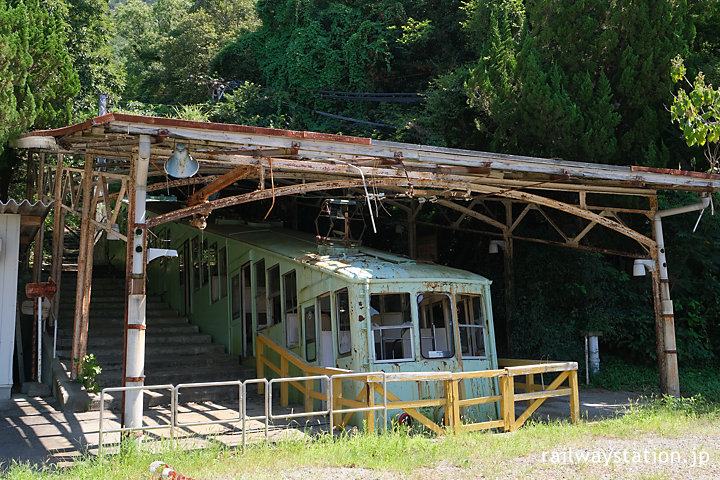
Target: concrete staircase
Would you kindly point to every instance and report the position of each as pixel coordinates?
(175, 351)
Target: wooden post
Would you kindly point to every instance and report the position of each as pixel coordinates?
(574, 397)
(84, 274)
(58, 240)
(370, 414)
(284, 373)
(337, 401)
(530, 386)
(452, 408)
(507, 385)
(308, 397)
(40, 236)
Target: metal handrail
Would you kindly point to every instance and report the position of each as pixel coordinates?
(171, 425)
(506, 398)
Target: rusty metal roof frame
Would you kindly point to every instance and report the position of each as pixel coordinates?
(296, 163)
(217, 145)
(286, 162)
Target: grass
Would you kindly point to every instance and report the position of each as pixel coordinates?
(615, 374)
(399, 452)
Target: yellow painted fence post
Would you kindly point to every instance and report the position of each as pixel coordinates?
(574, 397)
(508, 402)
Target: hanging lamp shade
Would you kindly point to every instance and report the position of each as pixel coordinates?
(181, 164)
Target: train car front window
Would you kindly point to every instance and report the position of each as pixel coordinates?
(392, 327)
(471, 322)
(436, 331)
(342, 308)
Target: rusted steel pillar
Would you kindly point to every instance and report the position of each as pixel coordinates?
(84, 274)
(58, 240)
(664, 315)
(659, 323)
(134, 361)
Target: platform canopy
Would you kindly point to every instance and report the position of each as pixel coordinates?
(488, 193)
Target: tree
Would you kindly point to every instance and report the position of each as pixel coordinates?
(90, 34)
(697, 113)
(577, 79)
(37, 79)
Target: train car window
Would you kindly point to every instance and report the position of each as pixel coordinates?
(260, 300)
(310, 334)
(273, 289)
(392, 327)
(196, 262)
(212, 259)
(471, 323)
(292, 327)
(222, 271)
(436, 331)
(342, 310)
(235, 298)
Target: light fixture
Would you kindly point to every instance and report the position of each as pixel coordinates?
(181, 164)
(496, 245)
(642, 266)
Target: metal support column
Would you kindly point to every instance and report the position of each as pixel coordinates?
(134, 366)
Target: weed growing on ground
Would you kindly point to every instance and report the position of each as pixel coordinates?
(399, 450)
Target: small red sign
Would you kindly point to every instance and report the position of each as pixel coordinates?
(41, 289)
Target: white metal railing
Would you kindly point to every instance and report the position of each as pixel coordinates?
(242, 418)
(375, 383)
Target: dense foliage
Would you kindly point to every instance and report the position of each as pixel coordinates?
(583, 80)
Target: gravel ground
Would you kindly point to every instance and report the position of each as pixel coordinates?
(648, 457)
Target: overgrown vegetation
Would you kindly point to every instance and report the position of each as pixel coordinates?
(470, 454)
(89, 369)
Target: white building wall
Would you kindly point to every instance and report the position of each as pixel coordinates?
(9, 251)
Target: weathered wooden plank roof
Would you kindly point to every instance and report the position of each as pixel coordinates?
(315, 156)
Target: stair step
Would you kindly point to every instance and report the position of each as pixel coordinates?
(197, 375)
(104, 329)
(155, 361)
(150, 340)
(104, 354)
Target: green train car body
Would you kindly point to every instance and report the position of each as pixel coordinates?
(356, 309)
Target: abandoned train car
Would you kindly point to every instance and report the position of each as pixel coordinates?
(351, 308)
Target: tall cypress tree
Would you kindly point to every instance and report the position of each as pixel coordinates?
(591, 80)
(37, 79)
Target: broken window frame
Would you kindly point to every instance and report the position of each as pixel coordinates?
(466, 307)
(379, 331)
(258, 277)
(290, 305)
(273, 287)
(447, 320)
(342, 320)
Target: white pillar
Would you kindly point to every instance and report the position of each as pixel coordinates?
(9, 251)
(135, 353)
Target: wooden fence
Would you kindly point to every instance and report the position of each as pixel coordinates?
(516, 382)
